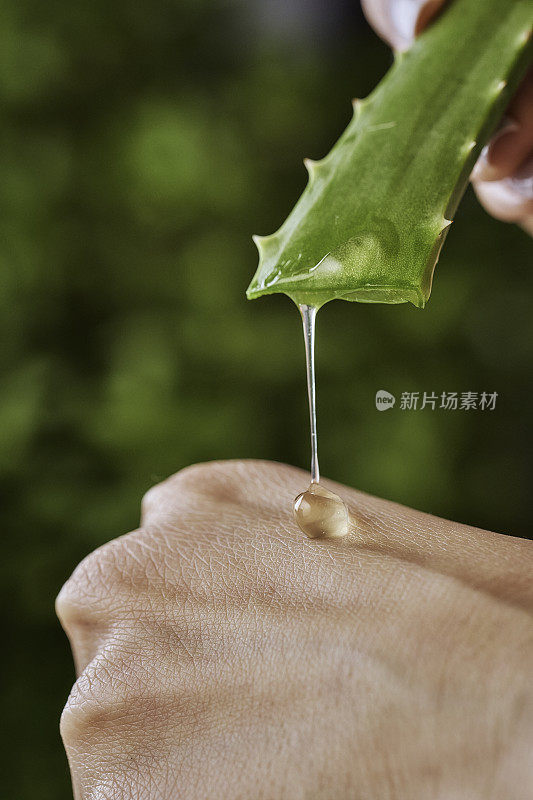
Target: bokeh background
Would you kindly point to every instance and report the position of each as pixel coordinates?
(141, 146)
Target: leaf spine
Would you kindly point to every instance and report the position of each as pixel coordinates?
(357, 106)
(311, 166)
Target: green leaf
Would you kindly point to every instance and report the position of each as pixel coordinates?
(374, 215)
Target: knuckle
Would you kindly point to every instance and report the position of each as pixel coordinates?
(213, 480)
(163, 495)
(83, 591)
(118, 704)
(98, 698)
(74, 716)
(70, 722)
(98, 584)
(149, 500)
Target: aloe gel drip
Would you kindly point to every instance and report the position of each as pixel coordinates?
(309, 324)
(319, 513)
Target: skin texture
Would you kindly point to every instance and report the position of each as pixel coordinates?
(223, 654)
(503, 177)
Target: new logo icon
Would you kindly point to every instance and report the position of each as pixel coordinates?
(384, 400)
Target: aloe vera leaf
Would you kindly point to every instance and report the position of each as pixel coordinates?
(371, 222)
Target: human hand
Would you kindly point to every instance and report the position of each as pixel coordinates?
(503, 176)
(222, 654)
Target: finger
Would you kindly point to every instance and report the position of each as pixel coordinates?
(255, 498)
(510, 199)
(513, 141)
(399, 21)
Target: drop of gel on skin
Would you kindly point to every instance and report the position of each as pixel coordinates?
(321, 514)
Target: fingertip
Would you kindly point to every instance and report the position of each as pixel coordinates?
(512, 142)
(490, 166)
(428, 11)
(398, 22)
(527, 224)
(509, 199)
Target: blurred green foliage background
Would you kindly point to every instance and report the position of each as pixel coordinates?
(142, 145)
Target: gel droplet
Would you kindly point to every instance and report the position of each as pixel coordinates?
(321, 514)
